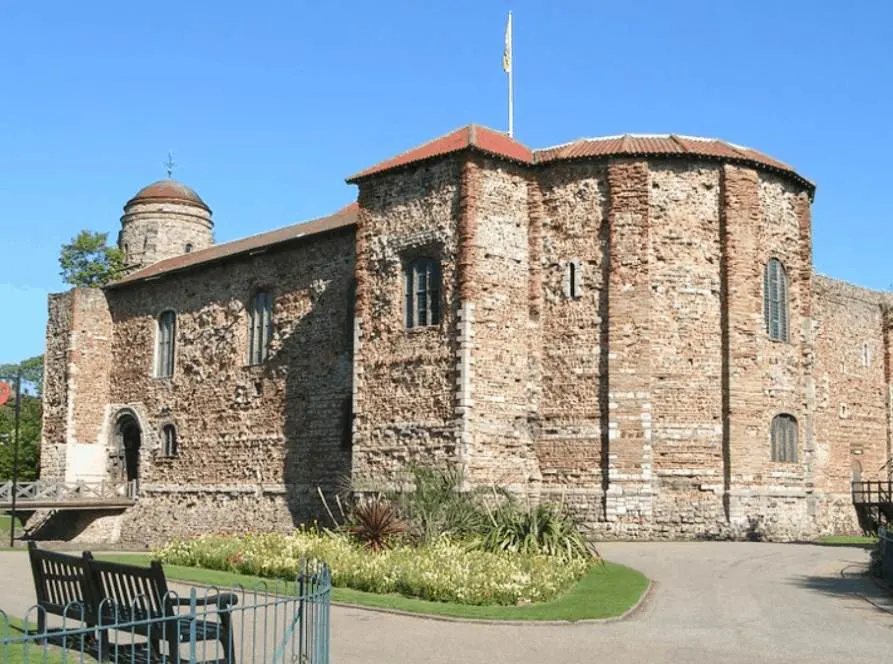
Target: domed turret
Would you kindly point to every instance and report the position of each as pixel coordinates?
(164, 219)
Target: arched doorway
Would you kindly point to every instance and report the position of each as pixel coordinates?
(128, 437)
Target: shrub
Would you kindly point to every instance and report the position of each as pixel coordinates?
(436, 505)
(374, 522)
(542, 530)
(444, 570)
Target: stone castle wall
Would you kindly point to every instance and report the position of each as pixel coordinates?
(254, 442)
(406, 386)
(852, 392)
(500, 448)
(55, 387)
(601, 342)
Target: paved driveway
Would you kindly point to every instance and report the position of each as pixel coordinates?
(712, 602)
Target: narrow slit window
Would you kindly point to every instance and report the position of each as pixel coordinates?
(260, 330)
(574, 279)
(775, 300)
(166, 341)
(784, 438)
(422, 291)
(170, 444)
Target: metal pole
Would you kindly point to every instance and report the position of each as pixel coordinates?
(15, 458)
(511, 73)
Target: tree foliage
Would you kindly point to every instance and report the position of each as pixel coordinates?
(29, 438)
(32, 374)
(89, 261)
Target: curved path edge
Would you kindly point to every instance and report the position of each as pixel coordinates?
(501, 621)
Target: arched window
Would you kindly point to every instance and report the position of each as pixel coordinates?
(422, 283)
(775, 300)
(188, 247)
(784, 438)
(169, 440)
(260, 329)
(165, 343)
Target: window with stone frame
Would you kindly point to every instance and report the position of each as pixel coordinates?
(422, 289)
(573, 279)
(866, 355)
(169, 442)
(166, 340)
(784, 438)
(775, 300)
(260, 326)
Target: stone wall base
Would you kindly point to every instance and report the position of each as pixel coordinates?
(77, 526)
(163, 514)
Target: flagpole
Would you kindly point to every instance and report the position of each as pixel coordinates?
(511, 74)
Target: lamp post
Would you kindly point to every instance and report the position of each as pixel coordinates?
(15, 458)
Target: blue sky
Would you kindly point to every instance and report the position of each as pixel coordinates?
(268, 106)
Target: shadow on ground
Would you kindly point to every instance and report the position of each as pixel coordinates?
(852, 582)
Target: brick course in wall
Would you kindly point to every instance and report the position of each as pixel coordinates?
(601, 342)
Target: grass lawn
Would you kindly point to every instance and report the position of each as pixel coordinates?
(5, 521)
(34, 653)
(848, 540)
(604, 592)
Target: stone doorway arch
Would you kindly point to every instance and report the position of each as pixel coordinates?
(128, 441)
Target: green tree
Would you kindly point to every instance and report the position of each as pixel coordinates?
(32, 374)
(29, 438)
(89, 261)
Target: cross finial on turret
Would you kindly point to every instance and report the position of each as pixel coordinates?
(170, 164)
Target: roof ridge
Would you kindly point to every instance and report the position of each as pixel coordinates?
(678, 141)
(232, 247)
(397, 156)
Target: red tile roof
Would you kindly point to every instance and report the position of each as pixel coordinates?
(665, 144)
(498, 144)
(491, 142)
(473, 137)
(345, 217)
(168, 190)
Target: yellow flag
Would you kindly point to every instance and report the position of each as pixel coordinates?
(507, 53)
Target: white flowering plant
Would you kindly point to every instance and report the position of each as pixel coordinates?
(445, 569)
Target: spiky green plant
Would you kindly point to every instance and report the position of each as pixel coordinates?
(437, 505)
(544, 529)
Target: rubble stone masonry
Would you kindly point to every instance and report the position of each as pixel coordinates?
(601, 342)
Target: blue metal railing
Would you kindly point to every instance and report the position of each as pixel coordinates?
(275, 623)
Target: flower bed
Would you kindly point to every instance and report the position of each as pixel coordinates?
(444, 571)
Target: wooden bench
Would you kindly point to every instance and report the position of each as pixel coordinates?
(62, 585)
(113, 594)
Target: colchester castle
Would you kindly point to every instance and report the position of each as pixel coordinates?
(629, 325)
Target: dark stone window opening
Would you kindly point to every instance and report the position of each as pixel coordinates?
(166, 342)
(784, 438)
(170, 444)
(188, 248)
(260, 330)
(422, 285)
(775, 300)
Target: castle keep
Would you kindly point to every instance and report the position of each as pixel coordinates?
(629, 324)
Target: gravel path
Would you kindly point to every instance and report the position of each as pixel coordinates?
(711, 602)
